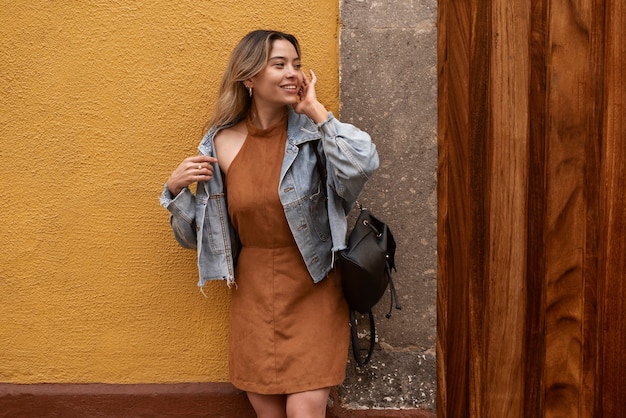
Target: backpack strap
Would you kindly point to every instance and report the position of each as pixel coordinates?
(394, 296)
(356, 351)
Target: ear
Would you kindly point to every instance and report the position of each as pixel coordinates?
(248, 83)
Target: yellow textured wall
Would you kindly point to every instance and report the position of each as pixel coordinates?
(99, 101)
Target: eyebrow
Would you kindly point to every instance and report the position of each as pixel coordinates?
(282, 58)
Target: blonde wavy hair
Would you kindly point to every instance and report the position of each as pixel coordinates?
(247, 60)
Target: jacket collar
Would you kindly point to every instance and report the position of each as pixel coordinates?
(301, 129)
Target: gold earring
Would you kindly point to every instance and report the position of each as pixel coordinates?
(250, 91)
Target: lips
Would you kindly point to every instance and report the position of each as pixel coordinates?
(292, 87)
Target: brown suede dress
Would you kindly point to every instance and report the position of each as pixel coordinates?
(287, 334)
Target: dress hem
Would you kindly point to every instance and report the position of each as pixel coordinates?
(281, 390)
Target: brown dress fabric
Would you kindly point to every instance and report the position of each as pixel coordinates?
(287, 334)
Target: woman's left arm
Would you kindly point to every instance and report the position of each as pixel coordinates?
(351, 156)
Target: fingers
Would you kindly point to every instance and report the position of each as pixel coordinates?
(307, 102)
(191, 170)
(200, 170)
(306, 81)
(307, 91)
(200, 163)
(201, 159)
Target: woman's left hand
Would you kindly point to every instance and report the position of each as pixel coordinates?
(308, 103)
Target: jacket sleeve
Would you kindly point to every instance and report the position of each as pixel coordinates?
(351, 158)
(182, 215)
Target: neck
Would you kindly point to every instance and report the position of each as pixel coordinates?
(266, 117)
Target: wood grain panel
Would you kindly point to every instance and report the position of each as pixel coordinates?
(613, 259)
(479, 162)
(592, 179)
(532, 215)
(534, 344)
(508, 187)
(442, 345)
(570, 109)
(453, 126)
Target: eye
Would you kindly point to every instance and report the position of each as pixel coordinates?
(298, 66)
(279, 64)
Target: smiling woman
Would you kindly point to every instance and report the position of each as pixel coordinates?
(255, 218)
(111, 94)
(281, 80)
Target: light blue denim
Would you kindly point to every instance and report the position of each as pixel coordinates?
(319, 229)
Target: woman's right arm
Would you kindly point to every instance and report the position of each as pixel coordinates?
(191, 170)
(180, 202)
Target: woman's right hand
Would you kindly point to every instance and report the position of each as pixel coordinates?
(191, 170)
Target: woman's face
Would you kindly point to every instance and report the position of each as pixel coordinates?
(279, 83)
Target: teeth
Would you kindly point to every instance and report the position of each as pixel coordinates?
(290, 87)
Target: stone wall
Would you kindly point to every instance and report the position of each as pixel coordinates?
(389, 89)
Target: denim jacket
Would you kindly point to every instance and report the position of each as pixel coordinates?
(319, 227)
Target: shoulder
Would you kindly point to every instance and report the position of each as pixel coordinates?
(234, 132)
(228, 142)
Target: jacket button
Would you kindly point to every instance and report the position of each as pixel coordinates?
(301, 227)
(287, 189)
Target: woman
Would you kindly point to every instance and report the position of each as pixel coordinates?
(260, 215)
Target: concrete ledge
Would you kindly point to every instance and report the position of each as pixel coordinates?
(219, 400)
(102, 400)
(337, 410)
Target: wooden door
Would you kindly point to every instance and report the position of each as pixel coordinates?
(532, 208)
